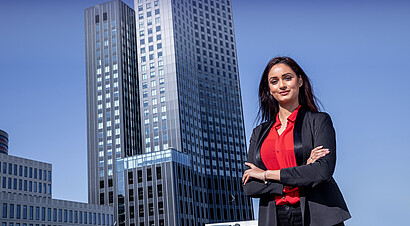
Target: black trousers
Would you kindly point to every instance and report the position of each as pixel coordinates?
(291, 215)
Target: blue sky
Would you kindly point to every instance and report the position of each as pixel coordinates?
(355, 52)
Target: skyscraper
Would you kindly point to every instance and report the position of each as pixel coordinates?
(191, 99)
(113, 123)
(189, 166)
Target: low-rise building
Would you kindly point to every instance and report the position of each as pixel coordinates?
(26, 197)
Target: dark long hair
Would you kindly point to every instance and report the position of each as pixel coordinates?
(268, 106)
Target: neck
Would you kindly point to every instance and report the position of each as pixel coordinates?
(286, 109)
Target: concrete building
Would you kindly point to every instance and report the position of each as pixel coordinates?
(26, 198)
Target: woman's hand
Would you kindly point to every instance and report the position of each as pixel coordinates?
(317, 153)
(254, 172)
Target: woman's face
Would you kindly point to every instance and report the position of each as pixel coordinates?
(284, 84)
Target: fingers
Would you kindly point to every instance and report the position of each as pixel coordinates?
(316, 148)
(250, 165)
(245, 177)
(246, 180)
(317, 153)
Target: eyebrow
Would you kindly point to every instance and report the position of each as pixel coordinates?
(282, 75)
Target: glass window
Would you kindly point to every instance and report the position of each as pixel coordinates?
(20, 171)
(31, 212)
(70, 216)
(24, 212)
(55, 215)
(4, 210)
(37, 213)
(43, 213)
(60, 215)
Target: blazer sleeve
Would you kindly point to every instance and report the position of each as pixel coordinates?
(256, 188)
(322, 169)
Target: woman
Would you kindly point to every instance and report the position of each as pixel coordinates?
(292, 155)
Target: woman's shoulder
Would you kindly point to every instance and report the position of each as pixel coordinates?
(261, 127)
(318, 118)
(317, 115)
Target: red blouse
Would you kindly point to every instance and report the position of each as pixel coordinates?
(277, 152)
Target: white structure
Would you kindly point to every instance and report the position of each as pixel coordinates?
(238, 223)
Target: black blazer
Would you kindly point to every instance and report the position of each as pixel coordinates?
(321, 201)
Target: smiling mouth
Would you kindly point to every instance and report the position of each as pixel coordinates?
(284, 93)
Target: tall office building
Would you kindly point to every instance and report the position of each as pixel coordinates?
(188, 170)
(191, 101)
(113, 123)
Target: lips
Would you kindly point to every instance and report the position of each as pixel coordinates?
(284, 93)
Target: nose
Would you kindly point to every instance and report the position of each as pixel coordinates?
(282, 84)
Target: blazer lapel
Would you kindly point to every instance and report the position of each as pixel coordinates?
(297, 136)
(263, 134)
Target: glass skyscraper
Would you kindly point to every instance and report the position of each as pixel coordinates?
(113, 123)
(191, 99)
(183, 53)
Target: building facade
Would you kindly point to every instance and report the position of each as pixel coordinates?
(191, 100)
(150, 188)
(4, 142)
(113, 121)
(26, 198)
(186, 96)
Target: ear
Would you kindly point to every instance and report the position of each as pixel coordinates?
(300, 81)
